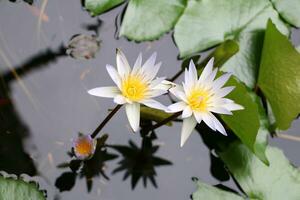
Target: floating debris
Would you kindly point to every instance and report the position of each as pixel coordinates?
(83, 47)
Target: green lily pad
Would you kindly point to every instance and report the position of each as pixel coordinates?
(97, 7)
(250, 124)
(208, 192)
(210, 22)
(280, 180)
(279, 77)
(150, 19)
(18, 189)
(289, 10)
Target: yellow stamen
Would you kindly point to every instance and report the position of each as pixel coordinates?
(134, 88)
(198, 99)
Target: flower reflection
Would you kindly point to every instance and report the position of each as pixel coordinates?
(87, 169)
(140, 162)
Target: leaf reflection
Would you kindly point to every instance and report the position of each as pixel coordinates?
(140, 163)
(88, 169)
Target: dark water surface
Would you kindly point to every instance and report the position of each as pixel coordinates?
(47, 105)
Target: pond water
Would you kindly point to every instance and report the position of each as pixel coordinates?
(44, 104)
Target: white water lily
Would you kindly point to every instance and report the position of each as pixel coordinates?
(134, 86)
(199, 98)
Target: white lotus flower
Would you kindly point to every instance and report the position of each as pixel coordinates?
(134, 86)
(199, 98)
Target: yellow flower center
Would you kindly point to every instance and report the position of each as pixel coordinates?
(198, 99)
(84, 147)
(134, 88)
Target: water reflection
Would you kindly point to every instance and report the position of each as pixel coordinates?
(88, 169)
(140, 163)
(13, 131)
(213, 140)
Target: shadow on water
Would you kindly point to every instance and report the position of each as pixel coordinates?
(139, 163)
(13, 131)
(88, 169)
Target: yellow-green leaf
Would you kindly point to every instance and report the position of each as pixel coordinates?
(279, 76)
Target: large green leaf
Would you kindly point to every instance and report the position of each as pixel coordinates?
(280, 180)
(207, 192)
(289, 10)
(206, 23)
(97, 7)
(279, 77)
(149, 19)
(17, 189)
(250, 124)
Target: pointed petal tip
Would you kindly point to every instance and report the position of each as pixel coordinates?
(118, 50)
(181, 144)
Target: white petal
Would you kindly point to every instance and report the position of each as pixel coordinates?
(152, 72)
(156, 93)
(219, 101)
(220, 110)
(119, 99)
(193, 72)
(186, 76)
(176, 107)
(148, 65)
(187, 112)
(233, 106)
(133, 115)
(156, 82)
(198, 117)
(178, 92)
(109, 92)
(211, 77)
(208, 121)
(164, 85)
(114, 75)
(219, 82)
(153, 104)
(223, 91)
(138, 64)
(122, 64)
(187, 128)
(207, 70)
(218, 124)
(187, 88)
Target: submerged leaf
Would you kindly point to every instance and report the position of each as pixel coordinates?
(210, 22)
(279, 77)
(150, 19)
(154, 115)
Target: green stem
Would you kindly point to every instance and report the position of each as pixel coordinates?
(176, 75)
(104, 122)
(163, 122)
